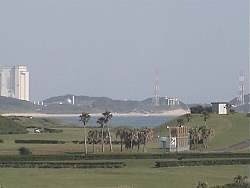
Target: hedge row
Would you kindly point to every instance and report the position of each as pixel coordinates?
(108, 156)
(60, 165)
(39, 142)
(53, 130)
(209, 162)
(178, 156)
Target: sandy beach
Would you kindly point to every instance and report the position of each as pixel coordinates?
(177, 112)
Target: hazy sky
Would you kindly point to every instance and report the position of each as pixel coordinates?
(112, 48)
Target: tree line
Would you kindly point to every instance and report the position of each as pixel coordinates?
(130, 138)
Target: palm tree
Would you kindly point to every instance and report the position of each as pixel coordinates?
(188, 117)
(145, 135)
(101, 121)
(206, 116)
(195, 136)
(121, 133)
(131, 136)
(107, 116)
(180, 122)
(206, 135)
(241, 180)
(94, 138)
(85, 117)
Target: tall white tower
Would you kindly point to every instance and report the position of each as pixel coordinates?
(240, 98)
(14, 82)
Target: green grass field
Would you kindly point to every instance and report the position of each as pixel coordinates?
(137, 174)
(229, 130)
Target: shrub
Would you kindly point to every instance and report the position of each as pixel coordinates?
(24, 151)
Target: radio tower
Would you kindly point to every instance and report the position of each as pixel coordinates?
(240, 97)
(155, 99)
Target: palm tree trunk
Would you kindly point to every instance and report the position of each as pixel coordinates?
(145, 145)
(110, 141)
(131, 145)
(102, 141)
(93, 147)
(138, 147)
(121, 145)
(85, 142)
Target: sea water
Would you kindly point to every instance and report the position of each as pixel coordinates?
(134, 121)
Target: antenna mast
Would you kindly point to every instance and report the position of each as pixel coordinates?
(240, 97)
(155, 99)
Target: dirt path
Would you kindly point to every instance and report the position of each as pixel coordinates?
(238, 146)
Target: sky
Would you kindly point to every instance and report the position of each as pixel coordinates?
(112, 48)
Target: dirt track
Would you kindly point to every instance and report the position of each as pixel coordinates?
(238, 146)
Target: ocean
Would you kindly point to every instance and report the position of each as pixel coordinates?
(134, 121)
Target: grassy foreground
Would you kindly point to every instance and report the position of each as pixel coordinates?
(137, 174)
(229, 130)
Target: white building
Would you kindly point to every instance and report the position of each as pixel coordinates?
(172, 101)
(219, 107)
(14, 82)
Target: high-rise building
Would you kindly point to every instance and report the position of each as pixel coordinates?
(14, 82)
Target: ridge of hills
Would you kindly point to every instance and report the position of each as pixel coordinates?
(63, 105)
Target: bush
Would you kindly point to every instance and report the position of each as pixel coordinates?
(24, 151)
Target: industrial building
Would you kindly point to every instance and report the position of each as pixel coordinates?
(14, 82)
(219, 107)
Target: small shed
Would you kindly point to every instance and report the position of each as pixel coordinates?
(219, 107)
(164, 143)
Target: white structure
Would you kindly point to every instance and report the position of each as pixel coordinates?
(14, 82)
(219, 107)
(164, 143)
(172, 101)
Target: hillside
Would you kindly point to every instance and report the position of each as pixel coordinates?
(243, 108)
(99, 104)
(8, 105)
(40, 122)
(229, 129)
(9, 126)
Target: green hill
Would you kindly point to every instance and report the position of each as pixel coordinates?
(229, 129)
(8, 126)
(8, 105)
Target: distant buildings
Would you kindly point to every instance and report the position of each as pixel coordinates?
(14, 82)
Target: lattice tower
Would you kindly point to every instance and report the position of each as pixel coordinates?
(155, 99)
(240, 97)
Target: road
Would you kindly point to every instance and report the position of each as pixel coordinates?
(238, 146)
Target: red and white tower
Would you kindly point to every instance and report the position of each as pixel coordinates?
(240, 97)
(155, 99)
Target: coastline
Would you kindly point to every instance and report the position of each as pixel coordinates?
(177, 112)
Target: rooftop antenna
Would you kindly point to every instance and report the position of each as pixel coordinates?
(240, 97)
(155, 99)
